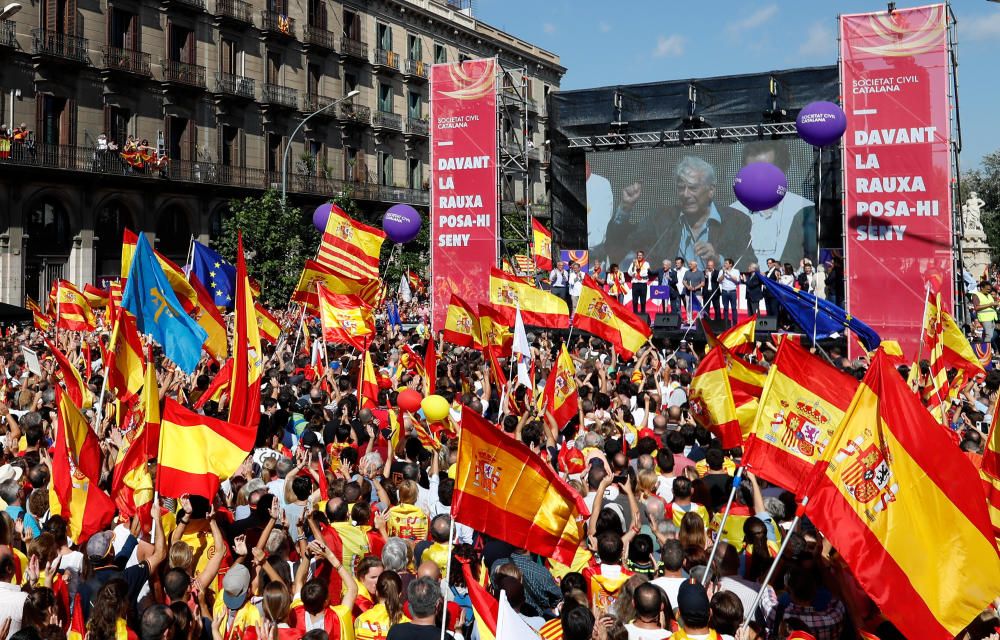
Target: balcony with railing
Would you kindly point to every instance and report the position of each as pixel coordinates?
(51, 44)
(351, 48)
(387, 120)
(387, 61)
(126, 61)
(233, 85)
(351, 113)
(234, 10)
(197, 6)
(277, 24)
(312, 102)
(183, 74)
(416, 127)
(319, 38)
(415, 70)
(8, 34)
(279, 95)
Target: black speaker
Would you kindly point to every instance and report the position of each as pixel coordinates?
(717, 325)
(643, 316)
(667, 321)
(767, 323)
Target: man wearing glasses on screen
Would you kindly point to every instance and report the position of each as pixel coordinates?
(696, 229)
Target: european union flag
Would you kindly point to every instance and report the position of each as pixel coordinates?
(218, 276)
(827, 321)
(392, 313)
(158, 313)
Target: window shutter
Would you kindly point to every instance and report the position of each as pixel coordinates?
(51, 15)
(242, 137)
(70, 17)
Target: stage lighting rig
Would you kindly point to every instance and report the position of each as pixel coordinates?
(692, 120)
(773, 111)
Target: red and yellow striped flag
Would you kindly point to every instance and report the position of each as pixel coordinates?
(738, 338)
(270, 330)
(72, 311)
(746, 381)
(496, 332)
(461, 324)
(506, 489)
(346, 319)
(561, 390)
(711, 399)
(314, 273)
(368, 384)
(485, 607)
(600, 314)
(41, 319)
(905, 510)
(248, 358)
(197, 452)
(350, 247)
(125, 360)
(132, 484)
(990, 472)
(538, 308)
(803, 402)
(209, 318)
(97, 298)
(541, 240)
(77, 389)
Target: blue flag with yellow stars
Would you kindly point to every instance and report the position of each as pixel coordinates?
(822, 317)
(218, 276)
(158, 313)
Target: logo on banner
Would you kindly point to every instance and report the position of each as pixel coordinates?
(803, 427)
(486, 474)
(886, 30)
(866, 475)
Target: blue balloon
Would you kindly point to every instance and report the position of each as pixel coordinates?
(401, 223)
(760, 186)
(821, 123)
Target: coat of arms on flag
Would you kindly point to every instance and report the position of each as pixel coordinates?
(487, 473)
(805, 427)
(866, 475)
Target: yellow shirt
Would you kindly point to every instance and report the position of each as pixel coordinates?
(727, 465)
(198, 535)
(677, 512)
(407, 521)
(374, 624)
(234, 626)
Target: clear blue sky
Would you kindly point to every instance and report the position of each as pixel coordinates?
(607, 43)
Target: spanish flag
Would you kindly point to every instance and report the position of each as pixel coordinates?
(72, 311)
(496, 332)
(905, 511)
(484, 606)
(561, 390)
(368, 384)
(350, 247)
(125, 357)
(41, 319)
(803, 402)
(244, 388)
(314, 273)
(132, 484)
(539, 308)
(990, 472)
(197, 452)
(504, 488)
(97, 298)
(738, 338)
(746, 381)
(346, 319)
(600, 314)
(209, 318)
(430, 363)
(218, 386)
(541, 239)
(77, 389)
(76, 463)
(461, 325)
(270, 330)
(711, 399)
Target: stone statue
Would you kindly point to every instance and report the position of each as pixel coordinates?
(971, 211)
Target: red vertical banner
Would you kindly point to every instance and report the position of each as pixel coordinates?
(464, 183)
(897, 167)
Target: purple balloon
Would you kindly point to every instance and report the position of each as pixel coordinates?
(760, 186)
(821, 123)
(401, 223)
(321, 215)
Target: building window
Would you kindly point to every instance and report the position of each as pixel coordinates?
(351, 169)
(350, 83)
(384, 34)
(230, 151)
(414, 47)
(182, 44)
(173, 233)
(313, 78)
(414, 173)
(414, 105)
(384, 169)
(117, 122)
(440, 54)
(317, 14)
(180, 138)
(463, 57)
(229, 57)
(124, 31)
(55, 120)
(352, 25)
(385, 97)
(273, 67)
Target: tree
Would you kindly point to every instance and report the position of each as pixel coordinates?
(278, 240)
(986, 183)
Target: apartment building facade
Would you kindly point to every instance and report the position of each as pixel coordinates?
(211, 90)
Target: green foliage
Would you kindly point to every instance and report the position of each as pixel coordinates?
(277, 240)
(986, 183)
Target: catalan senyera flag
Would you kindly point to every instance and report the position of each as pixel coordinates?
(76, 388)
(430, 363)
(114, 300)
(484, 606)
(496, 331)
(346, 319)
(561, 390)
(314, 273)
(746, 381)
(711, 399)
(41, 319)
(350, 247)
(96, 297)
(244, 388)
(76, 463)
(504, 488)
(125, 359)
(990, 473)
(72, 311)
(600, 314)
(461, 325)
(738, 338)
(197, 452)
(803, 402)
(539, 308)
(905, 510)
(270, 330)
(541, 239)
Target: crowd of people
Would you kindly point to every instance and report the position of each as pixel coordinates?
(379, 557)
(16, 143)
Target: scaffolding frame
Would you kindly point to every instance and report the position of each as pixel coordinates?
(514, 226)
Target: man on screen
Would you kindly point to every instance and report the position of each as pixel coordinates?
(697, 229)
(780, 232)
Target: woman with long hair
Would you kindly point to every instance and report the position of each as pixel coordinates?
(758, 551)
(107, 616)
(376, 622)
(692, 531)
(276, 605)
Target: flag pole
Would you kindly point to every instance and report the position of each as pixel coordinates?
(447, 573)
(722, 525)
(923, 333)
(819, 224)
(774, 564)
(298, 331)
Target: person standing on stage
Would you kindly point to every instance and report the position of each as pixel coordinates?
(727, 288)
(616, 283)
(559, 278)
(754, 288)
(575, 287)
(638, 271)
(773, 273)
(711, 292)
(694, 282)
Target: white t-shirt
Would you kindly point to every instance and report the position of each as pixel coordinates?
(729, 279)
(635, 633)
(671, 586)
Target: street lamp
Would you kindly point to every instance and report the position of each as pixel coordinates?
(9, 10)
(288, 147)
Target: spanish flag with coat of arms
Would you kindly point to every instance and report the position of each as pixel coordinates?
(538, 308)
(905, 510)
(600, 314)
(461, 325)
(561, 390)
